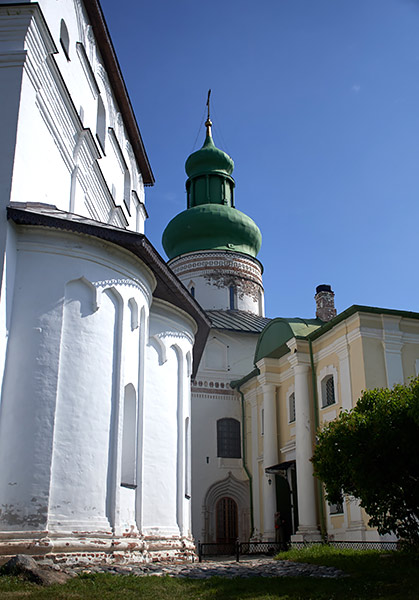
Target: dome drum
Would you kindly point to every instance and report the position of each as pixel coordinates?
(217, 189)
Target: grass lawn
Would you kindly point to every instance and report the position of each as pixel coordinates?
(371, 576)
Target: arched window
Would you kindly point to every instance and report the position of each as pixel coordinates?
(133, 307)
(226, 521)
(228, 438)
(101, 122)
(65, 39)
(191, 288)
(291, 407)
(232, 297)
(129, 444)
(127, 190)
(187, 451)
(328, 391)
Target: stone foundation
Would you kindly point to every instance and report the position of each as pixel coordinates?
(87, 549)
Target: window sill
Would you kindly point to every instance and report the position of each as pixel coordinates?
(227, 463)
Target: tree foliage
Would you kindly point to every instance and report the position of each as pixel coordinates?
(372, 453)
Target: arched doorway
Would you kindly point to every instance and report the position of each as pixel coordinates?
(226, 521)
(238, 492)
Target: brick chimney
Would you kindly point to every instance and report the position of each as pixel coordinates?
(325, 302)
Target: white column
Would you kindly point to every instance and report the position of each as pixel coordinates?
(180, 443)
(255, 464)
(306, 491)
(270, 458)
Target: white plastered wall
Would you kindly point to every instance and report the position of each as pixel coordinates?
(58, 159)
(65, 373)
(227, 357)
(167, 415)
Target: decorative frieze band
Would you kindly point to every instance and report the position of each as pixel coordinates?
(206, 262)
(211, 388)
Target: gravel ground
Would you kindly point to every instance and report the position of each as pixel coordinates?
(260, 567)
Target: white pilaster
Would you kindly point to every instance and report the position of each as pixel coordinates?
(306, 493)
(270, 457)
(392, 340)
(356, 529)
(252, 398)
(342, 350)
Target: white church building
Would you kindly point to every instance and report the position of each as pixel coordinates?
(98, 339)
(265, 386)
(145, 405)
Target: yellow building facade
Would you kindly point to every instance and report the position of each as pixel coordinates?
(307, 372)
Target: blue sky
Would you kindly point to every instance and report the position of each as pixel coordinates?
(317, 102)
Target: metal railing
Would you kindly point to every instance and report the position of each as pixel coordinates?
(237, 549)
(350, 545)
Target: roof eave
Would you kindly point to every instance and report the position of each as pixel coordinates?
(113, 69)
(168, 287)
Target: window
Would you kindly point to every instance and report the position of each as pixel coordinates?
(191, 288)
(129, 445)
(127, 190)
(336, 509)
(232, 296)
(133, 307)
(101, 122)
(228, 438)
(291, 407)
(328, 391)
(65, 39)
(262, 422)
(187, 451)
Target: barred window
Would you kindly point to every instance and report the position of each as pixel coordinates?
(291, 404)
(228, 438)
(328, 391)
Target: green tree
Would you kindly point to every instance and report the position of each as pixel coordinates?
(372, 453)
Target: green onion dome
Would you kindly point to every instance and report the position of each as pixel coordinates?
(211, 227)
(208, 159)
(211, 222)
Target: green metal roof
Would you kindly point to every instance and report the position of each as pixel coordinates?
(208, 160)
(374, 310)
(211, 227)
(211, 221)
(272, 340)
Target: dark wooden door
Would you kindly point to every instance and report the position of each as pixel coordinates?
(227, 521)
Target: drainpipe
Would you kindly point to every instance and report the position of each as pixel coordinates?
(252, 527)
(320, 493)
